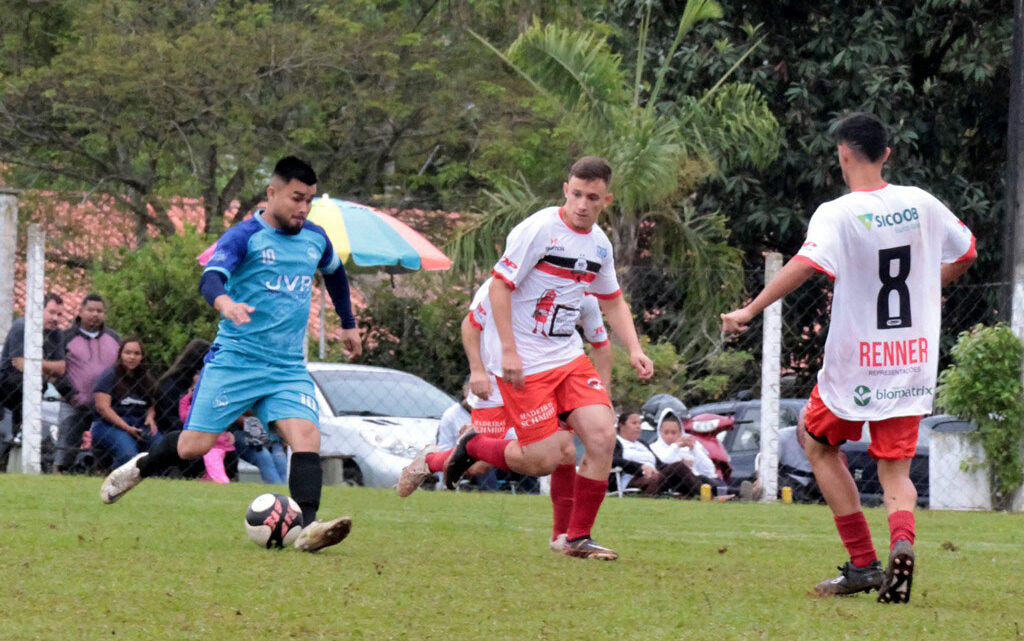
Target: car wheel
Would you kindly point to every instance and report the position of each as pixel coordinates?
(351, 475)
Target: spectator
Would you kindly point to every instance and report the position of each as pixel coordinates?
(253, 445)
(12, 365)
(90, 348)
(673, 445)
(643, 470)
(123, 397)
(213, 461)
(794, 466)
(176, 382)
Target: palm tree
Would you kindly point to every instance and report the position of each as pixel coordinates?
(660, 150)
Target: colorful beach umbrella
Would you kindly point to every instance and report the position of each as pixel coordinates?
(369, 238)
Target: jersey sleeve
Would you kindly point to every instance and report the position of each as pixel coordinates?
(592, 323)
(231, 249)
(606, 284)
(958, 242)
(329, 260)
(822, 245)
(480, 306)
(523, 248)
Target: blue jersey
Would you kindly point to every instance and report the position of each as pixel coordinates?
(272, 271)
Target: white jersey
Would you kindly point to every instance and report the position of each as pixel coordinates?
(590, 321)
(549, 266)
(884, 248)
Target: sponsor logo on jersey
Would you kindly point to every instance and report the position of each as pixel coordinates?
(284, 282)
(508, 263)
(809, 244)
(899, 220)
(221, 400)
(602, 252)
(902, 392)
(862, 395)
(312, 253)
(893, 353)
(595, 383)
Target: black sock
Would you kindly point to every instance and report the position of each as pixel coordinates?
(162, 456)
(305, 480)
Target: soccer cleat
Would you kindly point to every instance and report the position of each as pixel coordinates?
(899, 575)
(317, 535)
(121, 480)
(853, 579)
(459, 461)
(415, 473)
(587, 548)
(558, 544)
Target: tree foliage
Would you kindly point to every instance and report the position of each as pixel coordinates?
(983, 385)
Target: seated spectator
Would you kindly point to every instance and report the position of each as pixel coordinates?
(674, 445)
(172, 386)
(254, 445)
(643, 470)
(794, 467)
(124, 425)
(213, 461)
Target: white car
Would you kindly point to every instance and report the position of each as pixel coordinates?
(374, 420)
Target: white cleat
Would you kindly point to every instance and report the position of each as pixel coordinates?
(121, 480)
(317, 535)
(558, 543)
(415, 473)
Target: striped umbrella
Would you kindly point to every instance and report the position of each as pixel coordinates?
(369, 238)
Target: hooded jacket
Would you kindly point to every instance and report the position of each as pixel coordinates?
(696, 457)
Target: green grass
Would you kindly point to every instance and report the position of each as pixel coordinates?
(171, 561)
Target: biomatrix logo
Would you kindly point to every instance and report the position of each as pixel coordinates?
(862, 395)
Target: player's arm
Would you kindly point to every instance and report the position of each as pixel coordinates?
(336, 284)
(602, 357)
(501, 316)
(794, 274)
(616, 311)
(952, 271)
(479, 381)
(211, 286)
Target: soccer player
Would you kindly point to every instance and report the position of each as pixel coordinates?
(889, 249)
(489, 417)
(260, 279)
(544, 375)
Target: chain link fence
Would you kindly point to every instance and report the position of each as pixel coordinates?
(377, 414)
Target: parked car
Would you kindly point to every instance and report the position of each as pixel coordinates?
(374, 419)
(743, 441)
(865, 469)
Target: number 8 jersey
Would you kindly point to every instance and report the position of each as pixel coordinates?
(884, 248)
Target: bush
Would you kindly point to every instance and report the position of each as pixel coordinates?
(983, 385)
(153, 293)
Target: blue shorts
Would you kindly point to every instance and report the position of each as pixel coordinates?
(232, 383)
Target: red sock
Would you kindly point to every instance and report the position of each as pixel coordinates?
(856, 536)
(436, 460)
(490, 450)
(563, 481)
(586, 501)
(901, 526)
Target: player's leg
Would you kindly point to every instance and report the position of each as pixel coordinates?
(862, 572)
(563, 486)
(594, 424)
(893, 443)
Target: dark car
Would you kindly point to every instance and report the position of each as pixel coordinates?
(865, 469)
(743, 441)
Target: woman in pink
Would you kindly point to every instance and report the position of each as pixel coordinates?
(214, 459)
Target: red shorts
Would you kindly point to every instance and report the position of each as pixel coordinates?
(491, 421)
(535, 408)
(892, 439)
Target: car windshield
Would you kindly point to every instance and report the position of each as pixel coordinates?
(377, 393)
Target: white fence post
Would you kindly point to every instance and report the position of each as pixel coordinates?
(32, 390)
(771, 364)
(8, 245)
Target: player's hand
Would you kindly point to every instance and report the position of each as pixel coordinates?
(512, 368)
(643, 365)
(480, 384)
(736, 321)
(237, 313)
(353, 342)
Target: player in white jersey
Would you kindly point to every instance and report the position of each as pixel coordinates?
(889, 249)
(551, 260)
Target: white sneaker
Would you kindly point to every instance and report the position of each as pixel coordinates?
(415, 473)
(317, 535)
(558, 543)
(121, 480)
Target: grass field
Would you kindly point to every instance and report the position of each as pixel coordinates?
(171, 561)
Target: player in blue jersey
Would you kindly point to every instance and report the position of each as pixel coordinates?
(260, 279)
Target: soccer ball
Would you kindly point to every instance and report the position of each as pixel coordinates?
(273, 520)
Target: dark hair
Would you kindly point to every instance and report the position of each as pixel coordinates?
(864, 133)
(592, 168)
(93, 297)
(623, 417)
(54, 297)
(137, 381)
(188, 362)
(291, 168)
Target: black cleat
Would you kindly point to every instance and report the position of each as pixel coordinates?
(587, 548)
(899, 575)
(459, 461)
(853, 579)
